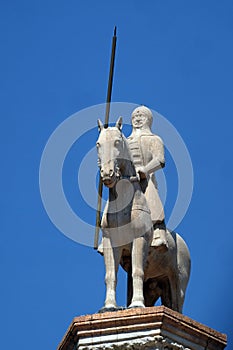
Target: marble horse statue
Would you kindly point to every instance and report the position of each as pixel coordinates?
(127, 231)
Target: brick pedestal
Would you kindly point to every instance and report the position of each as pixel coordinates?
(153, 328)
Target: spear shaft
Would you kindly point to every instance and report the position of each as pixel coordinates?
(107, 111)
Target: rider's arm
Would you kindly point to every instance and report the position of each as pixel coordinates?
(157, 161)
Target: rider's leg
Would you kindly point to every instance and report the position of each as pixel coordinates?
(159, 237)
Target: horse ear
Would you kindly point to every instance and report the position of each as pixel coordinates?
(100, 125)
(119, 123)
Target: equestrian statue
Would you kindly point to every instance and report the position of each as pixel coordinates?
(134, 234)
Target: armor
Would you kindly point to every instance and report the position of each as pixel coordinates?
(140, 149)
(147, 152)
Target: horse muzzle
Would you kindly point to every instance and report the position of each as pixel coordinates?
(108, 177)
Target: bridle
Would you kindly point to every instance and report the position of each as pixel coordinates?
(118, 175)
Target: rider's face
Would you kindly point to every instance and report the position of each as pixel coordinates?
(139, 119)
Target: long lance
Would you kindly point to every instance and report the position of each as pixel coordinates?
(107, 111)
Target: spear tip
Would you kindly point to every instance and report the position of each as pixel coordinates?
(115, 29)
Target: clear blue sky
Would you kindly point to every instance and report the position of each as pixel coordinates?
(175, 57)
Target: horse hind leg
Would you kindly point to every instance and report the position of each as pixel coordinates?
(152, 291)
(183, 281)
(176, 295)
(129, 287)
(166, 294)
(181, 300)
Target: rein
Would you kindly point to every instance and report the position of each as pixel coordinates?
(119, 176)
(130, 178)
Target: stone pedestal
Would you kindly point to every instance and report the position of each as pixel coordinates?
(153, 328)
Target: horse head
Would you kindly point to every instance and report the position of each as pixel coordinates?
(111, 152)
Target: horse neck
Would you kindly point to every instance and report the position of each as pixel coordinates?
(127, 170)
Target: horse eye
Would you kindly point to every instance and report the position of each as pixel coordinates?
(97, 144)
(117, 143)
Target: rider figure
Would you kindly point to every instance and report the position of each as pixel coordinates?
(147, 152)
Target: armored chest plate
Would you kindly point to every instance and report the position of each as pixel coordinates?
(136, 153)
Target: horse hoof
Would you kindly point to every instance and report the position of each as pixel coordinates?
(107, 309)
(111, 309)
(135, 305)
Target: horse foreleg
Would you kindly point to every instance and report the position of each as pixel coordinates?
(111, 259)
(138, 259)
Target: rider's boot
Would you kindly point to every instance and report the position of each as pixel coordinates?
(159, 241)
(100, 248)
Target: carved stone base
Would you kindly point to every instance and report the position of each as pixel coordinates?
(153, 328)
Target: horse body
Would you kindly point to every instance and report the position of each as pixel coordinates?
(128, 230)
(166, 274)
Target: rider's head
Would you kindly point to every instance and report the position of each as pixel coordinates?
(141, 117)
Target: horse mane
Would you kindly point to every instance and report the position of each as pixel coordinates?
(130, 168)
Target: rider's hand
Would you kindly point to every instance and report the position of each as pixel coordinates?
(142, 172)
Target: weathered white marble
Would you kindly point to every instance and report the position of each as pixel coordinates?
(147, 151)
(127, 224)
